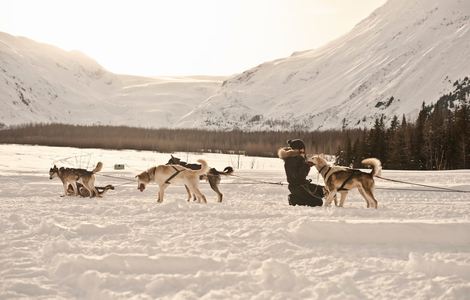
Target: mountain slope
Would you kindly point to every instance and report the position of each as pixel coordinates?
(42, 83)
(406, 52)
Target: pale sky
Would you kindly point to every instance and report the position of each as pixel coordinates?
(183, 37)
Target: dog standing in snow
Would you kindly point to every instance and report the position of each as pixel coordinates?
(164, 175)
(70, 176)
(341, 179)
(212, 176)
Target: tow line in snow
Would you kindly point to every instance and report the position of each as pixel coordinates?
(256, 181)
(424, 185)
(434, 188)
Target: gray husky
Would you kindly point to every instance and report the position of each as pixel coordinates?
(70, 176)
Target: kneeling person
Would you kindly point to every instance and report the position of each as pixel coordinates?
(297, 168)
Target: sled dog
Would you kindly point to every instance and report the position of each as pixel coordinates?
(213, 176)
(83, 192)
(72, 176)
(340, 179)
(164, 175)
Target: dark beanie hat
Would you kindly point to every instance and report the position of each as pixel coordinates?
(296, 144)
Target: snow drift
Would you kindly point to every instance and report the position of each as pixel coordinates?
(253, 245)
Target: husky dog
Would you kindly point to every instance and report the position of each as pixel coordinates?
(72, 176)
(164, 175)
(82, 191)
(341, 179)
(213, 176)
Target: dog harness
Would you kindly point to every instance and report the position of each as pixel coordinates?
(341, 188)
(174, 175)
(326, 176)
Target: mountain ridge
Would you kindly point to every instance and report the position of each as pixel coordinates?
(400, 46)
(41, 83)
(405, 53)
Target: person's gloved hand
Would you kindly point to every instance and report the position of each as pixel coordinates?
(310, 163)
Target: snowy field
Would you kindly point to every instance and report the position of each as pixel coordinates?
(251, 246)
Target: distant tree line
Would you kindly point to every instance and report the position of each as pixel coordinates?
(260, 143)
(439, 139)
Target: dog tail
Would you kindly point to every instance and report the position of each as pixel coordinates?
(98, 167)
(204, 167)
(102, 190)
(376, 165)
(226, 171)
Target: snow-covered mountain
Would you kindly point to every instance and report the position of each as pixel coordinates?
(404, 53)
(42, 83)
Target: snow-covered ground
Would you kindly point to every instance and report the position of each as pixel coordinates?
(251, 246)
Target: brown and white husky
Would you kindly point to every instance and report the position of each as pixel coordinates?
(164, 175)
(70, 176)
(340, 179)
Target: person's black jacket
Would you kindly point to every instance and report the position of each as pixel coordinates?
(295, 165)
(302, 191)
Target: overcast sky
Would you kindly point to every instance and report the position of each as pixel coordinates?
(183, 37)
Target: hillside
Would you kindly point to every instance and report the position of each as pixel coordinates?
(42, 83)
(404, 53)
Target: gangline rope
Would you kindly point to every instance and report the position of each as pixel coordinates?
(253, 181)
(424, 185)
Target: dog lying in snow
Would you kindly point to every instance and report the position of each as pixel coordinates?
(83, 192)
